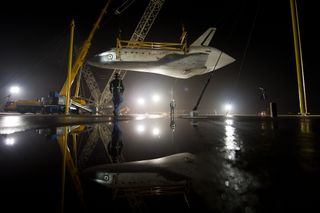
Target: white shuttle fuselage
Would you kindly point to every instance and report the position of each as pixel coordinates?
(199, 59)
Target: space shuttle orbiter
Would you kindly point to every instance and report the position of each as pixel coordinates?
(165, 58)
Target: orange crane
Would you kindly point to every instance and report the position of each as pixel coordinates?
(79, 102)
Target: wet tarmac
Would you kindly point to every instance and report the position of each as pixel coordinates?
(155, 164)
(16, 122)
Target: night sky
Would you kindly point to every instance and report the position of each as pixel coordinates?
(34, 43)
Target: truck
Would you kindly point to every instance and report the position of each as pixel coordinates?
(23, 106)
(54, 103)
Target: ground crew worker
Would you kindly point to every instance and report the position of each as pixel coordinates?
(117, 89)
(172, 106)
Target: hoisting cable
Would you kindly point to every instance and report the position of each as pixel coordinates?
(205, 86)
(246, 47)
(207, 83)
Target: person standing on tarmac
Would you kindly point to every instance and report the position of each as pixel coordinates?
(172, 106)
(117, 89)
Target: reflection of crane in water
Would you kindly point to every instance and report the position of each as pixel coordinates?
(70, 154)
(99, 131)
(111, 140)
(116, 144)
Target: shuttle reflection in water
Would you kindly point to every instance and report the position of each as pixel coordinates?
(165, 176)
(79, 156)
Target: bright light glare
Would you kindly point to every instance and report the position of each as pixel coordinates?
(141, 101)
(140, 128)
(140, 117)
(9, 141)
(230, 132)
(229, 121)
(155, 131)
(14, 89)
(231, 144)
(11, 121)
(155, 98)
(228, 107)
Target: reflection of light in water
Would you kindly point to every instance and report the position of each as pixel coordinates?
(229, 121)
(11, 121)
(155, 131)
(140, 117)
(267, 125)
(230, 144)
(150, 116)
(229, 132)
(236, 179)
(141, 101)
(305, 126)
(9, 141)
(155, 116)
(140, 129)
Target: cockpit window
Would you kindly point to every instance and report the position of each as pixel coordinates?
(107, 56)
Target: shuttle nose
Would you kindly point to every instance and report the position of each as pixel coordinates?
(224, 60)
(95, 60)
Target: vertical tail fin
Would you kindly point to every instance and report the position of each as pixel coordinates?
(205, 38)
